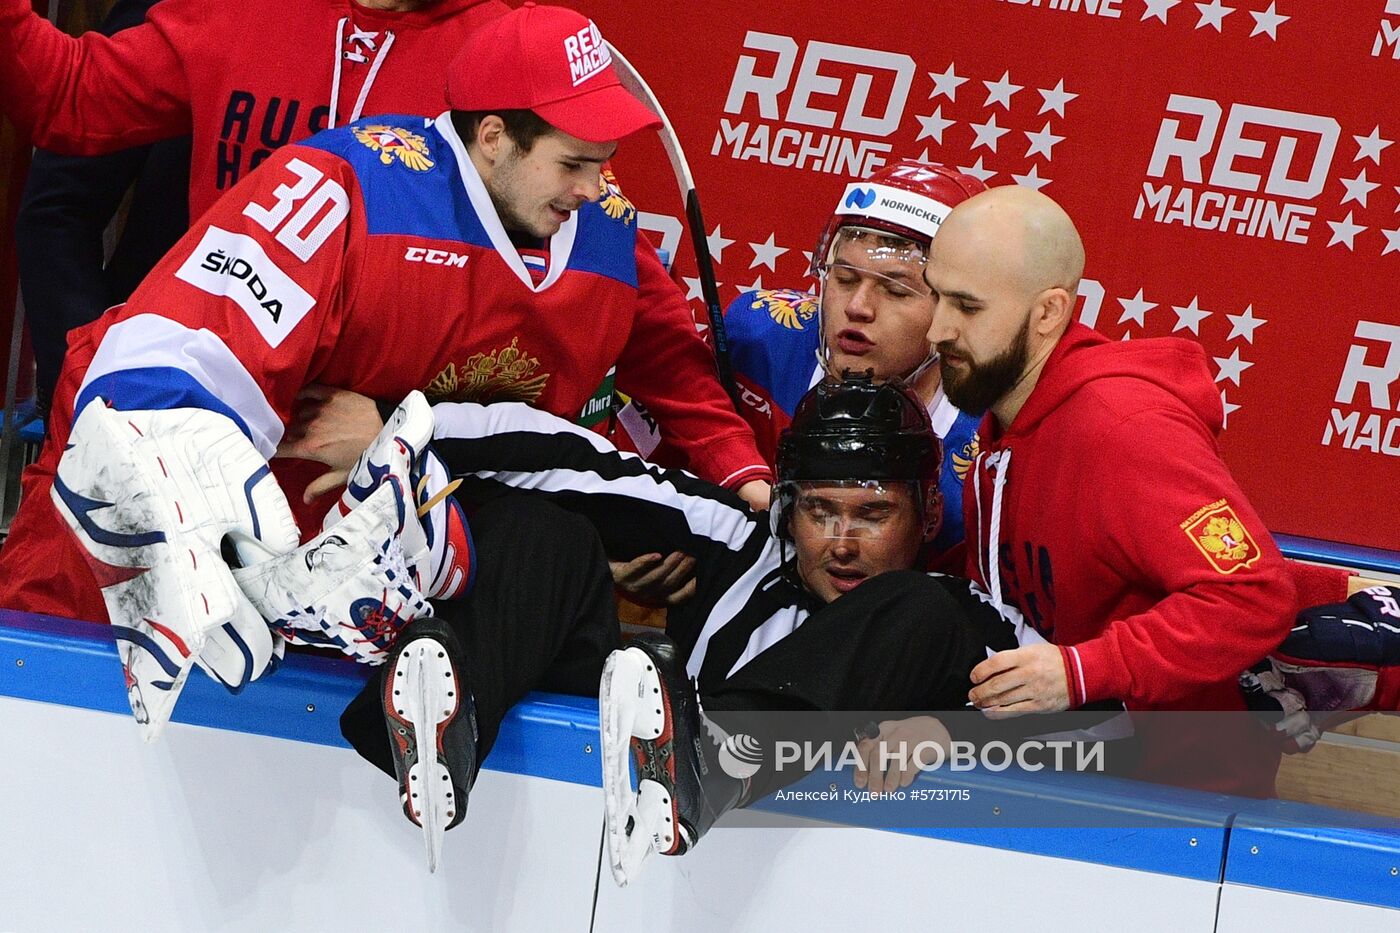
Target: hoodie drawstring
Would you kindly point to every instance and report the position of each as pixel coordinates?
(367, 39)
(977, 504)
(989, 558)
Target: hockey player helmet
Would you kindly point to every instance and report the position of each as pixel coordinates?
(881, 231)
(906, 200)
(855, 431)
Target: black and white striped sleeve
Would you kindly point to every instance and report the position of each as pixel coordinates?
(637, 507)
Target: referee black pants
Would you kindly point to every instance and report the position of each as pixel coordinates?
(540, 616)
(899, 641)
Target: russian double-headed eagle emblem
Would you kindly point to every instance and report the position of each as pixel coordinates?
(611, 199)
(1220, 535)
(962, 462)
(505, 375)
(392, 142)
(786, 306)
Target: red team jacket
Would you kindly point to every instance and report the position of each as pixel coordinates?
(1105, 514)
(370, 258)
(244, 77)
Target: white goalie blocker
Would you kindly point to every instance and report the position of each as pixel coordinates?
(438, 546)
(371, 570)
(151, 496)
(350, 588)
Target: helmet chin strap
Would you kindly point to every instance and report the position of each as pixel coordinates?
(909, 381)
(912, 379)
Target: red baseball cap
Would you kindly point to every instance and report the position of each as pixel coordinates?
(550, 60)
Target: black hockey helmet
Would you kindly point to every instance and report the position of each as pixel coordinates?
(857, 430)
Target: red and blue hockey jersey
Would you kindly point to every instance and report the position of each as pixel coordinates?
(371, 258)
(774, 336)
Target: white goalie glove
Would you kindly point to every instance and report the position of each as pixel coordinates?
(440, 546)
(150, 497)
(349, 588)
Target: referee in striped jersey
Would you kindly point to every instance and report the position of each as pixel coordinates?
(811, 606)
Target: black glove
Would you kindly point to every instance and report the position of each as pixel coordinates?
(1339, 657)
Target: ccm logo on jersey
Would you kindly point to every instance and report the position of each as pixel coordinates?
(232, 265)
(435, 257)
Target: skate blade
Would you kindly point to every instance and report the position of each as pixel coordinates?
(425, 668)
(629, 708)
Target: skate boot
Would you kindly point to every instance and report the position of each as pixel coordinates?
(432, 729)
(646, 702)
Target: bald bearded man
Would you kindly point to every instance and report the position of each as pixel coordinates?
(1099, 505)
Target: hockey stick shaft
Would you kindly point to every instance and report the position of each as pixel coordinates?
(695, 221)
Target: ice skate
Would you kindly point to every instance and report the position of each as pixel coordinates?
(432, 729)
(648, 706)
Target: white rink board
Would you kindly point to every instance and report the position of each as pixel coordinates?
(1252, 910)
(209, 830)
(811, 879)
(226, 831)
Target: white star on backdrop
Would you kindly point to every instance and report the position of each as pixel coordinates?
(933, 126)
(1229, 409)
(1001, 90)
(1042, 142)
(753, 287)
(1157, 8)
(1031, 179)
(1344, 231)
(718, 242)
(766, 254)
(977, 171)
(1189, 317)
(1213, 14)
(1358, 188)
(1244, 325)
(1268, 21)
(1055, 98)
(1397, 191)
(1135, 309)
(946, 83)
(1392, 241)
(807, 255)
(1369, 147)
(693, 291)
(987, 133)
(1231, 367)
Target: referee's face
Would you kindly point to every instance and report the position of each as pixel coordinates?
(846, 534)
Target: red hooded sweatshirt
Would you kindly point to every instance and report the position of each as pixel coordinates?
(1105, 514)
(245, 78)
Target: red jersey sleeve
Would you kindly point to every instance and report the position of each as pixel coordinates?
(247, 307)
(96, 94)
(669, 369)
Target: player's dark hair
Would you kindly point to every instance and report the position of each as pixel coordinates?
(524, 127)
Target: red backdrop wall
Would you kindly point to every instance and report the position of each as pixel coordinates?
(1231, 166)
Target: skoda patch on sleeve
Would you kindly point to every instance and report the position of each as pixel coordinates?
(234, 265)
(1220, 535)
